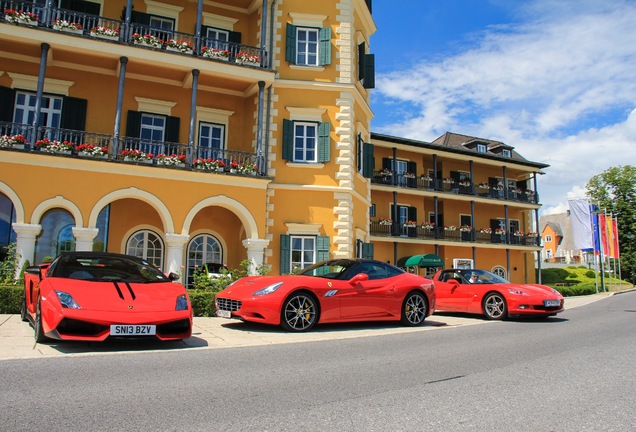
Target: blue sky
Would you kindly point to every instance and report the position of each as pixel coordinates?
(556, 79)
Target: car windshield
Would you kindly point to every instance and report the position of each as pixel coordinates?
(328, 269)
(481, 276)
(105, 268)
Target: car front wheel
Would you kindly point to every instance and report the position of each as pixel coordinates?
(414, 309)
(300, 312)
(39, 330)
(495, 306)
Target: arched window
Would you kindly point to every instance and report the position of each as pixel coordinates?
(56, 235)
(147, 245)
(7, 218)
(499, 271)
(203, 249)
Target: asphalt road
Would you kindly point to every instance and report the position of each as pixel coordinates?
(570, 373)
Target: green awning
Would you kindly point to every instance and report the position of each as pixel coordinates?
(427, 260)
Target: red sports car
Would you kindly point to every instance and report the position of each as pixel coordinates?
(93, 296)
(340, 290)
(482, 292)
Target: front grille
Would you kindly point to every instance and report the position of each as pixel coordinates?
(227, 304)
(73, 327)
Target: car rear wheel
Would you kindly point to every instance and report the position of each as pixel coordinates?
(300, 312)
(23, 309)
(37, 325)
(495, 306)
(414, 309)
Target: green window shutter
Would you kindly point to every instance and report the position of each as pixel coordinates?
(288, 140)
(322, 248)
(73, 113)
(361, 53)
(285, 254)
(290, 44)
(367, 250)
(7, 99)
(172, 129)
(369, 160)
(325, 46)
(324, 142)
(133, 124)
(368, 81)
(234, 37)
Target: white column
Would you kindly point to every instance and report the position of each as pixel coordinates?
(175, 252)
(25, 243)
(255, 253)
(84, 238)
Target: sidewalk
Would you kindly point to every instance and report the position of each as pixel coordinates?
(16, 337)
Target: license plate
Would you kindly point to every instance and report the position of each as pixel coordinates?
(133, 330)
(551, 303)
(223, 313)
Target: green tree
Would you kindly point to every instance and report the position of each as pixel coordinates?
(615, 191)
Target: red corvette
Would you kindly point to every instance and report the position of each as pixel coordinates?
(93, 296)
(341, 290)
(482, 292)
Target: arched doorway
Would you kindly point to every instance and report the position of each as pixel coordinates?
(148, 245)
(204, 248)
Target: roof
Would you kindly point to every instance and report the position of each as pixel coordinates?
(561, 224)
(463, 144)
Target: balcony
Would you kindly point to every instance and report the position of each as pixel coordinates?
(185, 156)
(452, 186)
(452, 234)
(112, 30)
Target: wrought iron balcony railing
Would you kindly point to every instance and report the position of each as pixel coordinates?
(451, 233)
(99, 27)
(461, 187)
(194, 157)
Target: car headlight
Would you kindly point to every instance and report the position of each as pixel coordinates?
(67, 300)
(555, 292)
(268, 290)
(182, 302)
(517, 291)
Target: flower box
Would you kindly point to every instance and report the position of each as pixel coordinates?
(92, 151)
(137, 156)
(171, 160)
(247, 59)
(20, 17)
(47, 146)
(147, 40)
(105, 33)
(216, 54)
(184, 47)
(67, 26)
(12, 141)
(386, 222)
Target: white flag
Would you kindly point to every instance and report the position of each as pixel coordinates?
(581, 224)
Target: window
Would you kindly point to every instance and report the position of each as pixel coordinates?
(211, 138)
(548, 238)
(218, 38)
(364, 157)
(300, 251)
(146, 245)
(50, 111)
(152, 127)
(307, 142)
(305, 138)
(505, 153)
(366, 67)
(499, 271)
(161, 27)
(203, 249)
(308, 46)
(481, 148)
(372, 210)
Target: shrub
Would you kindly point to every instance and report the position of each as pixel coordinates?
(202, 302)
(9, 265)
(576, 290)
(553, 275)
(10, 299)
(590, 274)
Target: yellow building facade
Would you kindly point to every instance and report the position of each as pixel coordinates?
(188, 132)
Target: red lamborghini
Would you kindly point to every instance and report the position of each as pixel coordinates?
(93, 296)
(341, 290)
(482, 292)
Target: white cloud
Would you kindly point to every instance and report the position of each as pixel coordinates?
(558, 87)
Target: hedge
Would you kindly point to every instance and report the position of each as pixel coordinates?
(11, 301)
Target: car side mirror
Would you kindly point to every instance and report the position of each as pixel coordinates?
(173, 276)
(34, 270)
(360, 277)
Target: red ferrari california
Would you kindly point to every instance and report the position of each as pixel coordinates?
(340, 290)
(93, 296)
(482, 292)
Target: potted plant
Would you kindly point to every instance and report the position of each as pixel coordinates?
(105, 33)
(12, 141)
(234, 167)
(426, 177)
(180, 46)
(247, 59)
(137, 156)
(409, 175)
(215, 53)
(219, 165)
(20, 17)
(48, 146)
(483, 185)
(171, 160)
(386, 172)
(91, 150)
(485, 231)
(386, 221)
(409, 224)
(450, 228)
(202, 164)
(500, 231)
(464, 183)
(248, 169)
(67, 26)
(448, 180)
(465, 228)
(428, 225)
(147, 40)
